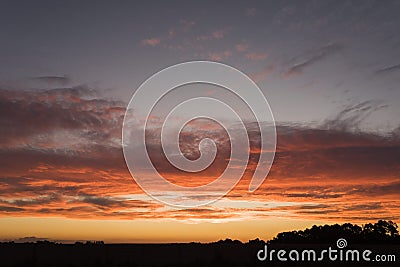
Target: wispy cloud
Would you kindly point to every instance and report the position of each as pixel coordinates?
(389, 69)
(52, 80)
(311, 58)
(352, 116)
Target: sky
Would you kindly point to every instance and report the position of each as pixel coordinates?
(330, 71)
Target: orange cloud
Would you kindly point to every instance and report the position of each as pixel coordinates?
(151, 41)
(215, 35)
(218, 34)
(220, 56)
(242, 47)
(256, 56)
(60, 155)
(262, 74)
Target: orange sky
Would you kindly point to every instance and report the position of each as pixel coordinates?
(64, 178)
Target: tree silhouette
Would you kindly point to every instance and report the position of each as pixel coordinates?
(379, 232)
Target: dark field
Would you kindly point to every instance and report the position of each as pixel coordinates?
(191, 254)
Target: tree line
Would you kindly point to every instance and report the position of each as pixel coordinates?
(379, 232)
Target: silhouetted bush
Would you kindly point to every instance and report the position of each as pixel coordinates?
(379, 232)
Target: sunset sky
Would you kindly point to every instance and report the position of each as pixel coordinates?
(330, 71)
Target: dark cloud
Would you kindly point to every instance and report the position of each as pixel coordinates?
(352, 116)
(30, 239)
(387, 70)
(311, 207)
(341, 210)
(100, 201)
(332, 190)
(313, 195)
(43, 200)
(364, 207)
(312, 58)
(52, 80)
(10, 209)
(376, 190)
(35, 116)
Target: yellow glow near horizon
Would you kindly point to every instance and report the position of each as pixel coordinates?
(144, 231)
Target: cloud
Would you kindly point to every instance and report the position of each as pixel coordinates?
(214, 35)
(52, 80)
(39, 201)
(388, 70)
(262, 74)
(180, 36)
(311, 58)
(60, 154)
(242, 47)
(218, 56)
(30, 239)
(256, 56)
(151, 41)
(352, 116)
(182, 28)
(219, 34)
(38, 117)
(10, 209)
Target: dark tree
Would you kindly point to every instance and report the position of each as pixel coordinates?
(379, 232)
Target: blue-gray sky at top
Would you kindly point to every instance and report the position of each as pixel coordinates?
(310, 58)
